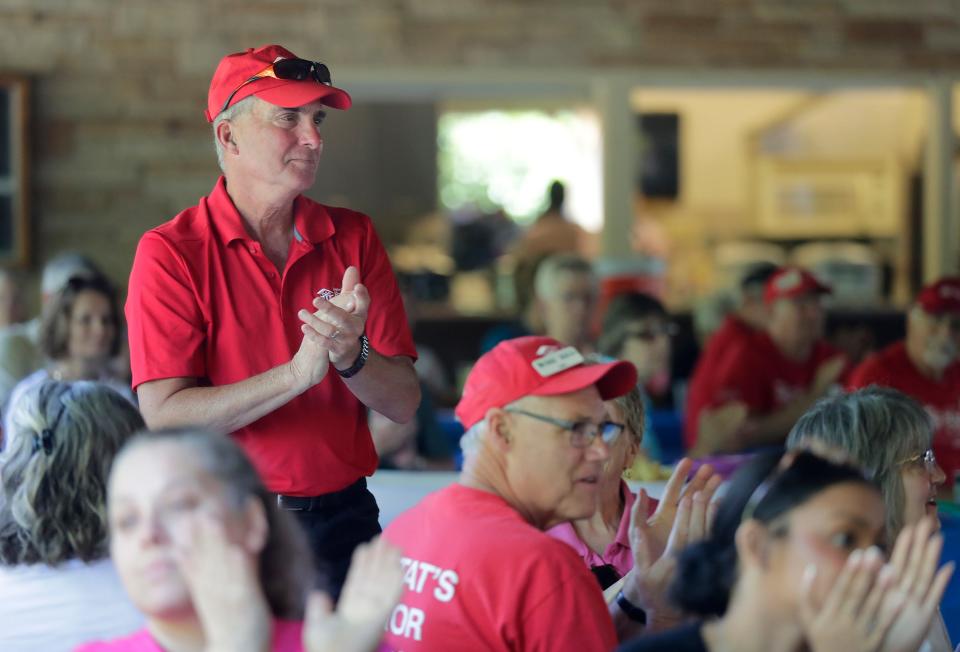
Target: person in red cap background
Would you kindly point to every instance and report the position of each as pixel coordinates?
(736, 330)
(481, 574)
(247, 313)
(926, 366)
(773, 377)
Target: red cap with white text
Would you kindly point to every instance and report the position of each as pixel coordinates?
(536, 366)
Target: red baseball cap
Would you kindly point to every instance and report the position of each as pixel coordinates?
(235, 69)
(792, 282)
(940, 296)
(537, 366)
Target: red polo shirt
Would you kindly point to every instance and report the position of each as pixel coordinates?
(732, 334)
(757, 374)
(205, 302)
(892, 367)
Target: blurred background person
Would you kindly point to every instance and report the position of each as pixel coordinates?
(80, 335)
(637, 328)
(565, 298)
(189, 516)
(58, 584)
(552, 232)
(12, 309)
(20, 350)
(887, 434)
(775, 376)
(926, 366)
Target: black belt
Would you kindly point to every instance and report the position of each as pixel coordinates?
(326, 501)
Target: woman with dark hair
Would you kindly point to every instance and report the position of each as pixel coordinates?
(636, 327)
(793, 562)
(890, 436)
(80, 334)
(212, 563)
(58, 586)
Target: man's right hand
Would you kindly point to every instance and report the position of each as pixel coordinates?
(311, 362)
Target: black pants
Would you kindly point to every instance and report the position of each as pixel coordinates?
(335, 525)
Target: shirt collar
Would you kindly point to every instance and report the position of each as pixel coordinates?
(311, 221)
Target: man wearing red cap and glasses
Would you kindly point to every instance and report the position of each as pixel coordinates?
(480, 572)
(247, 313)
(926, 366)
(774, 376)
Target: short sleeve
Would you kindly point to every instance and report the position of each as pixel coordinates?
(387, 325)
(165, 323)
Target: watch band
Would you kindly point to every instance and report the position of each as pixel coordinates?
(634, 613)
(361, 360)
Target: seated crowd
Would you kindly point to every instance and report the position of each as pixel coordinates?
(826, 537)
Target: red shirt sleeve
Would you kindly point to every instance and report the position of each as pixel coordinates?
(387, 325)
(165, 323)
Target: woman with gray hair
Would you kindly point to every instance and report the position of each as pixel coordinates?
(889, 435)
(58, 585)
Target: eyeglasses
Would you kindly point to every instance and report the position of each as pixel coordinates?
(927, 458)
(650, 334)
(291, 69)
(582, 433)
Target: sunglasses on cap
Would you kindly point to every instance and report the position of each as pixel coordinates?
(289, 69)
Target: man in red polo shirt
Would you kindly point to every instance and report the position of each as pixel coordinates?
(747, 320)
(235, 320)
(926, 366)
(480, 572)
(777, 374)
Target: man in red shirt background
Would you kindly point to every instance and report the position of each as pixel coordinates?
(774, 376)
(247, 313)
(749, 318)
(926, 366)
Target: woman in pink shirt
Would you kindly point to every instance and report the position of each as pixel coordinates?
(603, 539)
(213, 565)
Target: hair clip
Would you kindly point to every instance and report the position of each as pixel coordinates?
(44, 440)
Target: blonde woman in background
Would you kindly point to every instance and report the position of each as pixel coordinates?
(58, 585)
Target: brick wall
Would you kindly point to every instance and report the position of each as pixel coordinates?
(120, 143)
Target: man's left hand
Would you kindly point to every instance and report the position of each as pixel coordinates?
(341, 320)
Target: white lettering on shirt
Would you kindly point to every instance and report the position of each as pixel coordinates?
(420, 577)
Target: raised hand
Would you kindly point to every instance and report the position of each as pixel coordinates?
(654, 569)
(373, 586)
(856, 611)
(917, 584)
(311, 362)
(341, 321)
(224, 584)
(660, 523)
